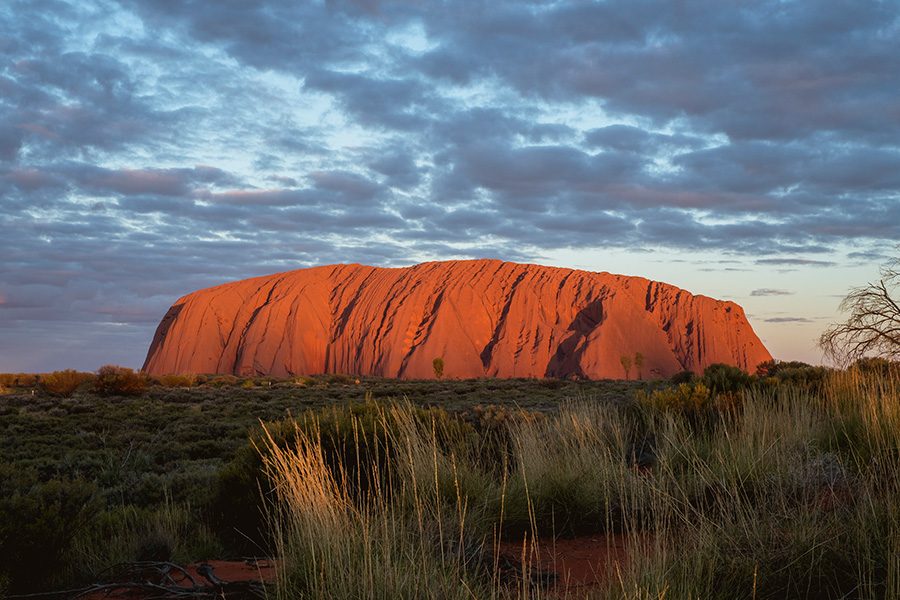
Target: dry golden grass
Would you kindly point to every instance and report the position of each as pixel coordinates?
(778, 493)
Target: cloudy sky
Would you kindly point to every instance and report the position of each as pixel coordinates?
(748, 151)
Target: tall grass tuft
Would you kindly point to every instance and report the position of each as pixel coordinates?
(392, 541)
(769, 491)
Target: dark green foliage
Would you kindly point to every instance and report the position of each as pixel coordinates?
(221, 381)
(793, 373)
(682, 377)
(726, 378)
(771, 368)
(810, 378)
(877, 366)
(38, 523)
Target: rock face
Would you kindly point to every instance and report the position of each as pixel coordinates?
(483, 317)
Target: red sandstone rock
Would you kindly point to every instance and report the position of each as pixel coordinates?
(483, 317)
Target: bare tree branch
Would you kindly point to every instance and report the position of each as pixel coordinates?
(873, 325)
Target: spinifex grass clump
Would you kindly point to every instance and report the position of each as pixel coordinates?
(422, 515)
(792, 496)
(768, 492)
(398, 537)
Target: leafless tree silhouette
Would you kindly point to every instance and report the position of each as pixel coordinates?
(873, 327)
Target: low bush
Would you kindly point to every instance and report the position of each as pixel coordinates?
(38, 523)
(171, 532)
(303, 381)
(119, 381)
(177, 381)
(222, 381)
(770, 368)
(877, 366)
(338, 379)
(13, 380)
(682, 377)
(64, 383)
(774, 373)
(684, 398)
(726, 378)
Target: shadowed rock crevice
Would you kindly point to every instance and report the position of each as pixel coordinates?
(162, 330)
(566, 361)
(488, 350)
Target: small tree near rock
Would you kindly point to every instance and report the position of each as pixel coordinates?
(438, 366)
(639, 363)
(626, 364)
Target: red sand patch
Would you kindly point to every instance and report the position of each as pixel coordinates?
(223, 578)
(577, 562)
(562, 565)
(234, 571)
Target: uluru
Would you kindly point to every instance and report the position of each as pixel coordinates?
(483, 318)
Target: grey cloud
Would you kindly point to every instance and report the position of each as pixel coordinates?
(398, 166)
(397, 103)
(149, 148)
(868, 256)
(163, 182)
(788, 320)
(771, 292)
(283, 180)
(628, 138)
(350, 186)
(795, 262)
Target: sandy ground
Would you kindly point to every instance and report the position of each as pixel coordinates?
(563, 565)
(223, 578)
(570, 563)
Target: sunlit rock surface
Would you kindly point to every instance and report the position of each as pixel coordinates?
(482, 317)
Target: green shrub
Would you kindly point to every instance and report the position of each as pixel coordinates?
(170, 532)
(338, 379)
(876, 366)
(684, 398)
(774, 374)
(38, 523)
(809, 378)
(176, 381)
(119, 381)
(725, 378)
(222, 381)
(682, 377)
(64, 383)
